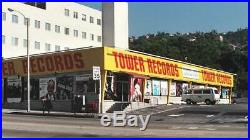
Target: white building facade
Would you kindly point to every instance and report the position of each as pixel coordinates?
(54, 26)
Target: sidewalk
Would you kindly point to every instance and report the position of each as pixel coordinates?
(52, 113)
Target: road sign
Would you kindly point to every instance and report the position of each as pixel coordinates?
(96, 73)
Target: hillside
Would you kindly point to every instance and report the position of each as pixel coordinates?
(206, 49)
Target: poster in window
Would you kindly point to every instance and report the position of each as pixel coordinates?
(64, 89)
(109, 88)
(136, 90)
(184, 87)
(148, 88)
(47, 87)
(14, 89)
(173, 89)
(156, 88)
(164, 88)
(178, 89)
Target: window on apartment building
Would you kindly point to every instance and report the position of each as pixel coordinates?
(14, 18)
(47, 47)
(91, 19)
(57, 29)
(84, 35)
(66, 31)
(75, 33)
(3, 39)
(3, 16)
(99, 38)
(66, 12)
(25, 43)
(84, 17)
(47, 26)
(37, 45)
(76, 15)
(37, 24)
(99, 22)
(66, 48)
(14, 41)
(92, 37)
(26, 20)
(57, 48)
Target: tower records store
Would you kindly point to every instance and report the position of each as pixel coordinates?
(126, 77)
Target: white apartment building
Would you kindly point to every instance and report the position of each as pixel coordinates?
(53, 26)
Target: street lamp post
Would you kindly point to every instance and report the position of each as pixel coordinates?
(28, 57)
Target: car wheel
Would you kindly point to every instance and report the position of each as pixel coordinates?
(208, 102)
(188, 101)
(194, 103)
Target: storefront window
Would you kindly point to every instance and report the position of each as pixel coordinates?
(109, 88)
(34, 89)
(64, 89)
(14, 89)
(84, 85)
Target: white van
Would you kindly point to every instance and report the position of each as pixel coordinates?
(207, 95)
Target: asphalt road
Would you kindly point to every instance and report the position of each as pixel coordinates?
(189, 121)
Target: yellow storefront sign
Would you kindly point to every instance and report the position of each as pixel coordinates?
(63, 62)
(131, 62)
(118, 61)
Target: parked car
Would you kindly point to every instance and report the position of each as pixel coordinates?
(207, 95)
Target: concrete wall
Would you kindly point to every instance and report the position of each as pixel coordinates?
(115, 24)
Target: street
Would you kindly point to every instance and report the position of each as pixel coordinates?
(188, 121)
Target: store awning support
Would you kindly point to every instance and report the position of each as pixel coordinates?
(169, 89)
(104, 78)
(230, 95)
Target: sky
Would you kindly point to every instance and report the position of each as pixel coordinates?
(183, 17)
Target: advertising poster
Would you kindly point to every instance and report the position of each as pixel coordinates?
(47, 86)
(64, 88)
(178, 89)
(148, 88)
(184, 87)
(14, 89)
(136, 90)
(109, 88)
(164, 88)
(173, 89)
(156, 88)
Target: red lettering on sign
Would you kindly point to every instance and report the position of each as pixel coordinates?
(49, 63)
(33, 65)
(41, 67)
(136, 63)
(5, 69)
(68, 61)
(79, 61)
(58, 63)
(208, 76)
(150, 67)
(141, 63)
(25, 67)
(129, 62)
(8, 68)
(159, 67)
(116, 60)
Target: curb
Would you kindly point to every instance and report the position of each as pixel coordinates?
(56, 114)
